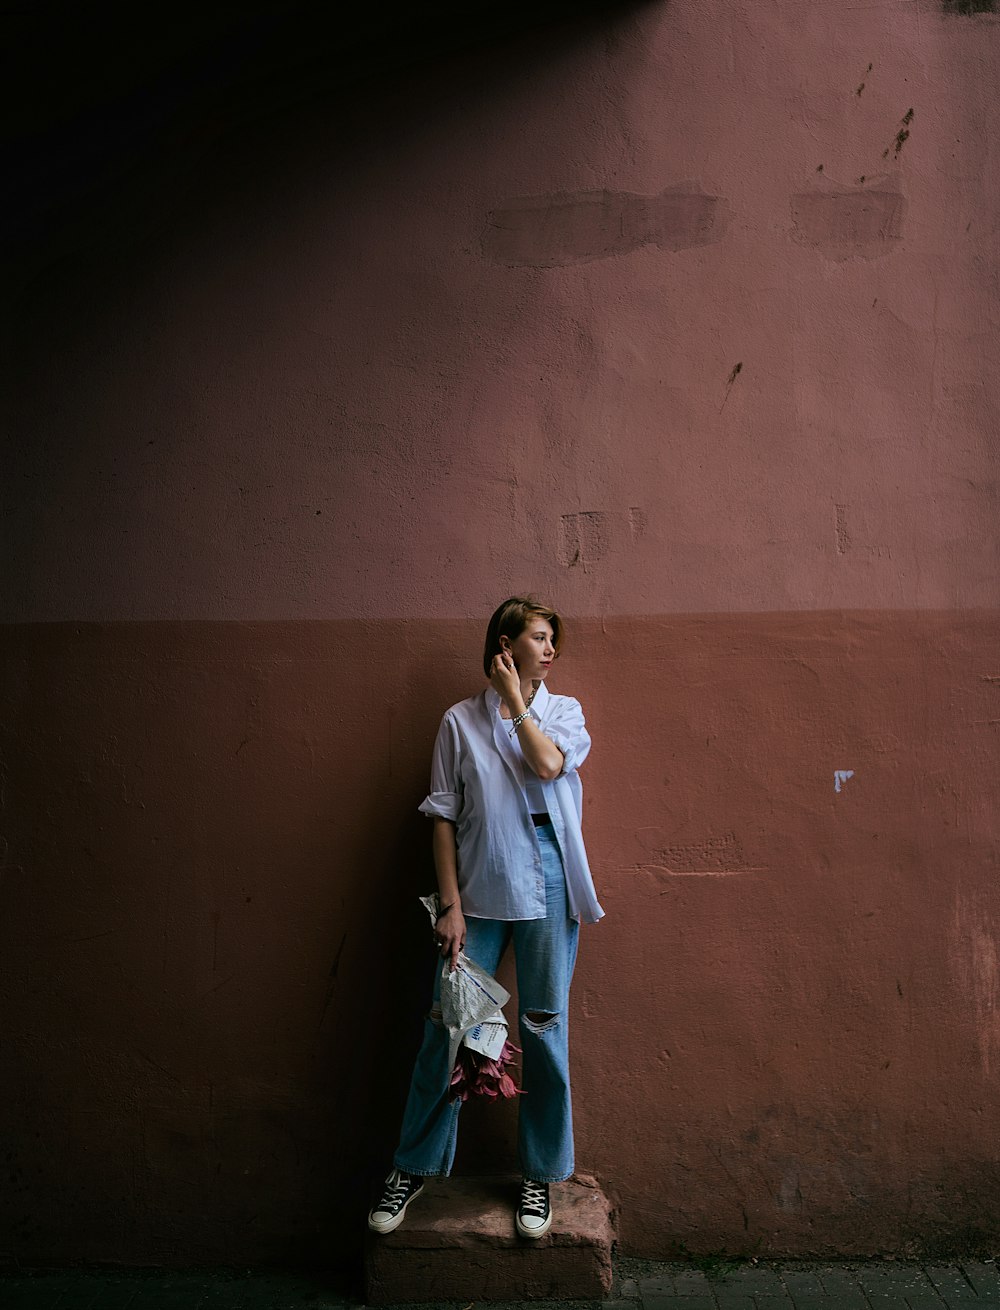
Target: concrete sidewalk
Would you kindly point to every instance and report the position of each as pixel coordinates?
(639, 1285)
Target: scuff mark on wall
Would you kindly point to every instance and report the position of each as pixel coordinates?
(843, 536)
(790, 1192)
(849, 224)
(975, 953)
(724, 851)
(734, 373)
(901, 137)
(840, 776)
(331, 984)
(720, 856)
(580, 226)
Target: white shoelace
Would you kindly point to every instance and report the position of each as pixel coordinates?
(396, 1187)
(534, 1198)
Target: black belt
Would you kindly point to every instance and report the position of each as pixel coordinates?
(540, 820)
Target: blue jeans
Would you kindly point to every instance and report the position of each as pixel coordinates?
(545, 953)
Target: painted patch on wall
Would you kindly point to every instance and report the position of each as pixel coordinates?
(721, 855)
(585, 538)
(849, 224)
(580, 226)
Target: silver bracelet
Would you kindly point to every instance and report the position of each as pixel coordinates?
(516, 722)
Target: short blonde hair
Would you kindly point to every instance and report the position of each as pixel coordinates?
(511, 618)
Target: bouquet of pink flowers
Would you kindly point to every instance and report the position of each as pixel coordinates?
(472, 1011)
(476, 1074)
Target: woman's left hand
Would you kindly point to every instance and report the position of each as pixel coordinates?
(504, 677)
(449, 933)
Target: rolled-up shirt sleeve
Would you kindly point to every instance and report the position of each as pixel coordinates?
(566, 728)
(444, 800)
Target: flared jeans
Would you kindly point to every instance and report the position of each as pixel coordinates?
(545, 955)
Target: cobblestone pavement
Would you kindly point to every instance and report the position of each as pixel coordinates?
(877, 1285)
(639, 1285)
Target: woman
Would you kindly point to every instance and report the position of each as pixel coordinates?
(506, 801)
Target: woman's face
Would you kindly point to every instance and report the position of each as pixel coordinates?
(533, 651)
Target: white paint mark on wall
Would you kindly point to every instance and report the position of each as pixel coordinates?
(840, 776)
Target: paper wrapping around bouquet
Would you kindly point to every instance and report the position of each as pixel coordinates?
(471, 1002)
(487, 1038)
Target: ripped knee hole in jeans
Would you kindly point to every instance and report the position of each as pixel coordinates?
(539, 1021)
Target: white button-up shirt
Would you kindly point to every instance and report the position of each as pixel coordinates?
(478, 782)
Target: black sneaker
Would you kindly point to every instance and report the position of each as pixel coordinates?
(534, 1214)
(400, 1190)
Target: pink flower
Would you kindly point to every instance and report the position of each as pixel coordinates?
(475, 1075)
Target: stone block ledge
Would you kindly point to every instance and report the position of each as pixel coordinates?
(458, 1243)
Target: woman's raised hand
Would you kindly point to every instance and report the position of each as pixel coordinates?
(449, 933)
(504, 676)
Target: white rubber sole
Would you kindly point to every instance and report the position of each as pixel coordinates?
(390, 1225)
(532, 1232)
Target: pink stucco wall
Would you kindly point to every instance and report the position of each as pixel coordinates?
(684, 319)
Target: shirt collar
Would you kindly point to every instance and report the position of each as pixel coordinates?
(537, 705)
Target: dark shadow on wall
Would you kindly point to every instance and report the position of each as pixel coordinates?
(107, 118)
(214, 863)
(217, 820)
(162, 254)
